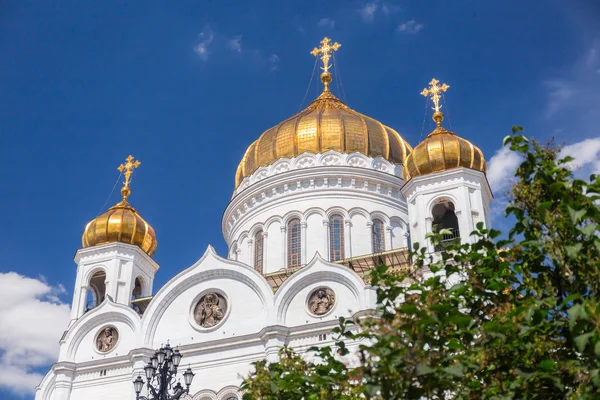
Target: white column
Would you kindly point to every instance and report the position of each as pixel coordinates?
(388, 242)
(327, 255)
(424, 242)
(370, 235)
(283, 247)
(347, 238)
(64, 380)
(304, 244)
(265, 235)
(251, 252)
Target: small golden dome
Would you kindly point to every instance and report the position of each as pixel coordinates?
(326, 124)
(121, 223)
(440, 151)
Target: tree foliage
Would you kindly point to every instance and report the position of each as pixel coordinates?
(507, 318)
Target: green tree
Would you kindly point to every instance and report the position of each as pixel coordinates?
(515, 318)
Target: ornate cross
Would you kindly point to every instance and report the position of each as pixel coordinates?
(128, 167)
(434, 91)
(325, 49)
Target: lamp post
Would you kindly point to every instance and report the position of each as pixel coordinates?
(161, 374)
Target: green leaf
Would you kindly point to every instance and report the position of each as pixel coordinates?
(507, 139)
(576, 215)
(547, 365)
(573, 251)
(581, 341)
(597, 348)
(517, 128)
(423, 369)
(588, 230)
(461, 320)
(576, 312)
(455, 370)
(596, 377)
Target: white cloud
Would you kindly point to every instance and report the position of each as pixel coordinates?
(389, 9)
(273, 62)
(503, 164)
(235, 44)
(33, 320)
(586, 154)
(573, 95)
(501, 169)
(368, 11)
(326, 23)
(205, 38)
(412, 27)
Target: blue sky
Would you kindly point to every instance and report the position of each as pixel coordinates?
(186, 86)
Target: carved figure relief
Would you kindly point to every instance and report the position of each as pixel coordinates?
(321, 301)
(210, 310)
(107, 339)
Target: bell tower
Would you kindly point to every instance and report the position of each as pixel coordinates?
(115, 261)
(446, 185)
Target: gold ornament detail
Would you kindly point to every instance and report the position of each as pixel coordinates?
(128, 167)
(121, 223)
(325, 51)
(435, 91)
(441, 150)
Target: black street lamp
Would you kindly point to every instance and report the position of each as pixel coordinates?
(161, 374)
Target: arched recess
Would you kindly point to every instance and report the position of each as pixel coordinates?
(96, 289)
(294, 242)
(336, 237)
(318, 270)
(378, 235)
(209, 266)
(399, 233)
(444, 217)
(259, 251)
(229, 393)
(205, 394)
(95, 319)
(138, 288)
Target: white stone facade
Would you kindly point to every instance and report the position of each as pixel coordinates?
(313, 188)
(257, 320)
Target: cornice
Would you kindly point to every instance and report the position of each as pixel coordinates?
(431, 182)
(110, 251)
(309, 160)
(342, 180)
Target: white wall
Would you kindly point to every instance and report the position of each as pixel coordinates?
(358, 193)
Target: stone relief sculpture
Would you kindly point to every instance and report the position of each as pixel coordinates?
(107, 339)
(321, 301)
(210, 310)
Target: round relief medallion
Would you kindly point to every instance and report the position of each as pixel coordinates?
(210, 310)
(321, 301)
(107, 339)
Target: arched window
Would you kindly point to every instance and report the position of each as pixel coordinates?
(136, 293)
(258, 251)
(96, 290)
(445, 218)
(294, 243)
(336, 237)
(378, 234)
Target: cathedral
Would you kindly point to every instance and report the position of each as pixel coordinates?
(319, 199)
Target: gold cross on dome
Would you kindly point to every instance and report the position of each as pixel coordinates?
(127, 170)
(325, 49)
(434, 91)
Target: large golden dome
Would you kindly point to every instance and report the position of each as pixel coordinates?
(326, 124)
(440, 151)
(121, 223)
